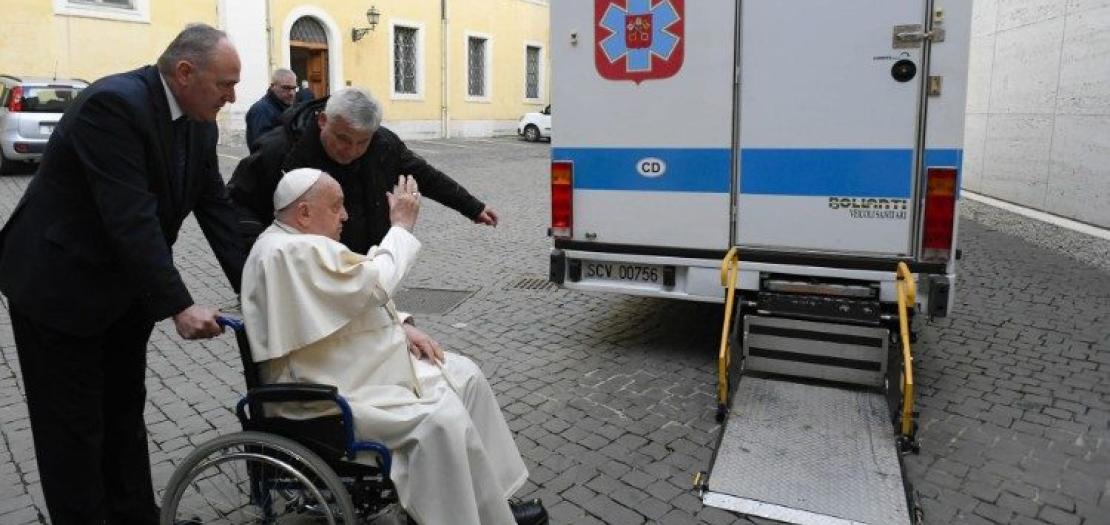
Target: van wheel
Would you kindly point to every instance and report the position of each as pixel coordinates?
(531, 133)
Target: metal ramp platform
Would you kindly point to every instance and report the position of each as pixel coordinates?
(808, 453)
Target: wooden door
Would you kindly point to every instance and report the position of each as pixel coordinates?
(309, 60)
(318, 71)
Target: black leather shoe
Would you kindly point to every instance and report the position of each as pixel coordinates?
(529, 512)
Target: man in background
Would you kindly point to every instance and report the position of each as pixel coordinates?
(342, 135)
(263, 114)
(305, 94)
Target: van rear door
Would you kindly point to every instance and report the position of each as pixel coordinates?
(828, 126)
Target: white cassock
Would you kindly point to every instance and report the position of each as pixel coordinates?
(318, 312)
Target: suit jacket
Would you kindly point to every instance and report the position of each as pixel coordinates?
(304, 94)
(93, 232)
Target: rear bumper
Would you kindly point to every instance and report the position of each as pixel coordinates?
(753, 255)
(16, 147)
(697, 275)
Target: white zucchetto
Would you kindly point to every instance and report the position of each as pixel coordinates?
(294, 184)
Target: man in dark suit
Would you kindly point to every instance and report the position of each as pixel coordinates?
(86, 265)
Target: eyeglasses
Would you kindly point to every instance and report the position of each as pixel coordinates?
(288, 88)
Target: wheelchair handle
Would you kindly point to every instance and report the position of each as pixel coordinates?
(230, 322)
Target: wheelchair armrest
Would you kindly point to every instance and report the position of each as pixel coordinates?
(279, 392)
(284, 392)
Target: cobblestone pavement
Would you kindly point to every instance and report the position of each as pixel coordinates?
(611, 397)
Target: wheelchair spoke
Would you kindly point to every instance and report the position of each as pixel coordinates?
(255, 478)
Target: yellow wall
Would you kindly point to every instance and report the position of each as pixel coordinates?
(367, 62)
(35, 39)
(369, 59)
(509, 24)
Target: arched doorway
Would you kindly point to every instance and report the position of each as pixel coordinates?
(308, 54)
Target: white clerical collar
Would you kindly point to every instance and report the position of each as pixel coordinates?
(287, 228)
(175, 110)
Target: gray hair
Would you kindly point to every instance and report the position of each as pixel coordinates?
(355, 106)
(282, 72)
(193, 44)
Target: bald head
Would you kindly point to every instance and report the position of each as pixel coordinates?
(195, 44)
(201, 68)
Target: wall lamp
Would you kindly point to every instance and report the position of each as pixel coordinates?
(372, 16)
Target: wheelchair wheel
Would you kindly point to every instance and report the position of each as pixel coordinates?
(255, 477)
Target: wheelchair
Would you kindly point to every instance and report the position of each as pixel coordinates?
(280, 470)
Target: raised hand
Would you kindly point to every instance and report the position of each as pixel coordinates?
(404, 203)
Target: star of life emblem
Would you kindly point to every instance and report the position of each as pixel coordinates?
(638, 40)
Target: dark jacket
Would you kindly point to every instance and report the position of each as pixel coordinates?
(93, 232)
(365, 181)
(263, 116)
(304, 94)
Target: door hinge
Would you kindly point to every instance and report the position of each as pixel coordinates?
(933, 86)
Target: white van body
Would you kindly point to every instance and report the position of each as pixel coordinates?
(799, 132)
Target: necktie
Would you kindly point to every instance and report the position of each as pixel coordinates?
(180, 154)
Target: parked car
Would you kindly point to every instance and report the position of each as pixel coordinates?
(534, 126)
(30, 107)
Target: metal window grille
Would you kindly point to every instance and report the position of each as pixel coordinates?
(532, 72)
(308, 29)
(476, 68)
(404, 60)
(123, 4)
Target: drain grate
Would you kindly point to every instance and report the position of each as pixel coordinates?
(532, 282)
(429, 300)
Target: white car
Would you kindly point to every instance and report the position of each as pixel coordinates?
(30, 107)
(534, 126)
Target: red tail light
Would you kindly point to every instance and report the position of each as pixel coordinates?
(562, 193)
(15, 103)
(940, 214)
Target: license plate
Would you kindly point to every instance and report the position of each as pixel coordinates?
(638, 273)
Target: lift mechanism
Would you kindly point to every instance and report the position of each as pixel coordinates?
(807, 403)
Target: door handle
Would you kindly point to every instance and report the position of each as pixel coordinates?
(911, 35)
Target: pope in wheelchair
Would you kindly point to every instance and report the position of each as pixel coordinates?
(317, 312)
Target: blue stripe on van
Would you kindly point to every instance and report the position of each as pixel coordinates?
(813, 172)
(839, 172)
(706, 170)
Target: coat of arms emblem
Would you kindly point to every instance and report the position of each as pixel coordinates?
(638, 40)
